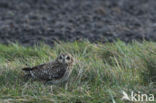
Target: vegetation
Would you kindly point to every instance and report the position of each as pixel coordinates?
(100, 73)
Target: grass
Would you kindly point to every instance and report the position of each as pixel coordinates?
(100, 73)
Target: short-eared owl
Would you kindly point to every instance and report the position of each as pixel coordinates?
(53, 72)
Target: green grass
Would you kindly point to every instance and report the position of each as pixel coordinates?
(100, 73)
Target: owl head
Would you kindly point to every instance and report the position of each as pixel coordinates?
(65, 58)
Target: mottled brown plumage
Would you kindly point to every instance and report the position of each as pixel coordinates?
(53, 72)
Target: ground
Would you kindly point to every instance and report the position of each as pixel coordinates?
(100, 74)
(32, 21)
(86, 29)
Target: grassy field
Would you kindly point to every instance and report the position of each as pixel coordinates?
(100, 74)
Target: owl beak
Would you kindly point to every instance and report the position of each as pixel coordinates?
(64, 61)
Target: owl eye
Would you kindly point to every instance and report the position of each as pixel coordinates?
(68, 58)
(60, 57)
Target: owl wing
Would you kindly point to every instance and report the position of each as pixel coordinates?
(57, 71)
(34, 68)
(48, 71)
